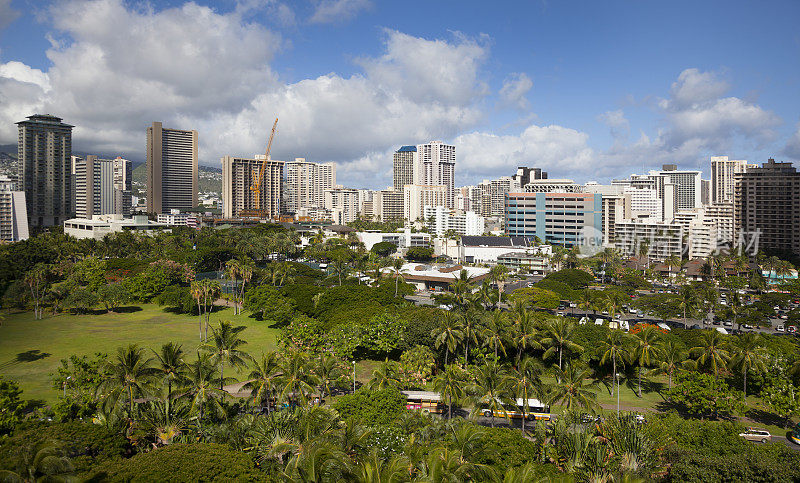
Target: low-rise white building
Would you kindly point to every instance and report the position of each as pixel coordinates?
(440, 220)
(487, 249)
(101, 225)
(403, 239)
(438, 278)
(176, 218)
(13, 212)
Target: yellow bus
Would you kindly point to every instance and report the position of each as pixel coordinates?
(537, 410)
(425, 401)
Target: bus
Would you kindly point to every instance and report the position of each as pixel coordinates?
(425, 401)
(537, 410)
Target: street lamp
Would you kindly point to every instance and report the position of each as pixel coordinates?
(64, 386)
(354, 376)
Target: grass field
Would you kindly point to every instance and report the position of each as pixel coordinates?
(31, 350)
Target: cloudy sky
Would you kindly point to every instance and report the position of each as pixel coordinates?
(584, 89)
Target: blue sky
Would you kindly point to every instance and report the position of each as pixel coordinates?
(586, 90)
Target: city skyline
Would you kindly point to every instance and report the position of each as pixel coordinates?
(352, 85)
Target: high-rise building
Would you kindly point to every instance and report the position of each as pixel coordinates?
(561, 218)
(343, 204)
(435, 165)
(661, 239)
(44, 171)
(416, 197)
(306, 182)
(526, 175)
(13, 212)
(238, 176)
(493, 194)
(171, 169)
(723, 174)
(387, 205)
(102, 186)
(688, 186)
(767, 205)
(404, 161)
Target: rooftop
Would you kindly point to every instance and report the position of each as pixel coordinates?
(407, 149)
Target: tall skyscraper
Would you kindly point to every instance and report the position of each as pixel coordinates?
(436, 163)
(767, 202)
(13, 212)
(239, 174)
(416, 197)
(723, 174)
(171, 169)
(306, 182)
(102, 186)
(44, 171)
(404, 160)
(688, 185)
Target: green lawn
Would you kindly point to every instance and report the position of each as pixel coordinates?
(31, 350)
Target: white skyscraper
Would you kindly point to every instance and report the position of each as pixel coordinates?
(435, 165)
(723, 171)
(306, 182)
(417, 197)
(688, 185)
(13, 212)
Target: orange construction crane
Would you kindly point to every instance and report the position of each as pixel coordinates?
(256, 186)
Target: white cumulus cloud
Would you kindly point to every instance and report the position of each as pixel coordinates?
(338, 11)
(515, 89)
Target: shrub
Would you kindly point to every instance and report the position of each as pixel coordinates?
(87, 445)
(371, 408)
(302, 295)
(506, 448)
(183, 463)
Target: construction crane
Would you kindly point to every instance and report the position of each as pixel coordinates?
(256, 186)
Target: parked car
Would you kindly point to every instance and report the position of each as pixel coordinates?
(780, 328)
(753, 434)
(560, 314)
(728, 323)
(791, 329)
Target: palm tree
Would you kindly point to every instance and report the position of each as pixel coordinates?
(462, 289)
(469, 321)
(574, 388)
(232, 269)
(499, 274)
(35, 279)
(525, 384)
(494, 332)
(489, 389)
(196, 289)
(224, 347)
(201, 387)
(673, 261)
(673, 359)
(375, 469)
(450, 385)
(615, 348)
(40, 461)
(385, 375)
(246, 272)
(748, 355)
(524, 334)
(129, 373)
(711, 352)
(328, 370)
(687, 300)
(297, 380)
(558, 336)
(646, 350)
(397, 266)
(171, 367)
(448, 334)
(263, 379)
